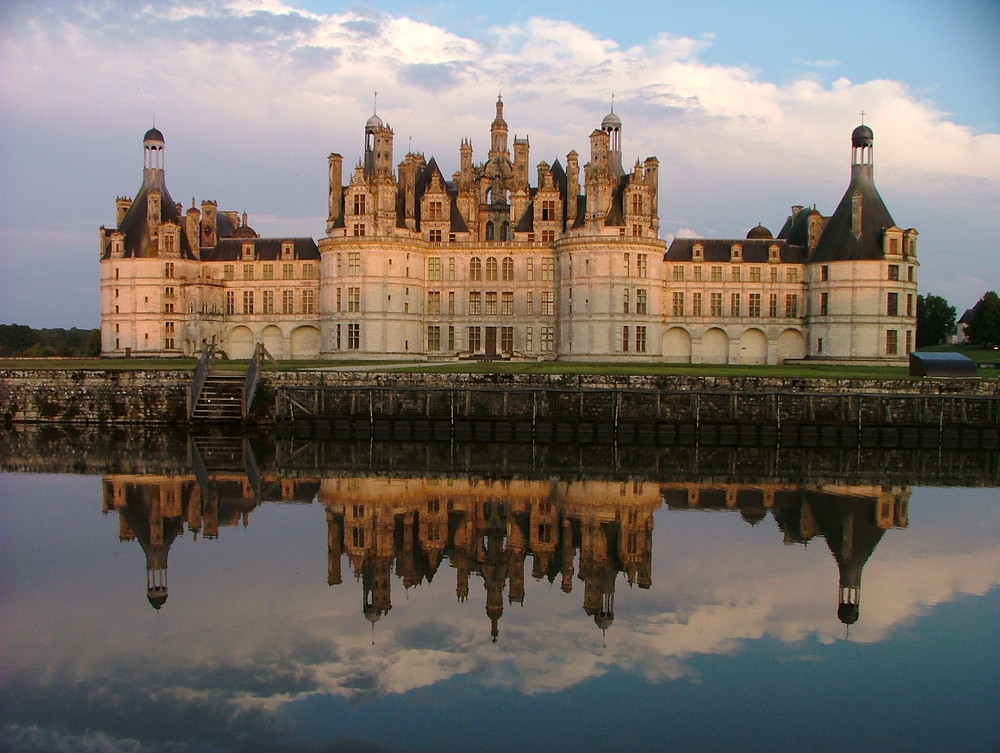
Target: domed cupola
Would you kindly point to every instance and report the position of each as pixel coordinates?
(759, 233)
(862, 136)
(244, 230)
(612, 125)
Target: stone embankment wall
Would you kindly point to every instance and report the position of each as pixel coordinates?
(161, 397)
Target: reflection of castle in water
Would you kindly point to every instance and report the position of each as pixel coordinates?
(406, 528)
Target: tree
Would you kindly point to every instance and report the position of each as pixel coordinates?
(935, 319)
(983, 327)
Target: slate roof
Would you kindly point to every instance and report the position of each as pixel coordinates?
(135, 228)
(265, 249)
(717, 250)
(838, 241)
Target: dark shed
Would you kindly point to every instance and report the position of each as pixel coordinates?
(932, 364)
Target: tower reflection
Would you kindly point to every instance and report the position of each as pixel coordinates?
(499, 531)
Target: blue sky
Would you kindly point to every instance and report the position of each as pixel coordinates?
(749, 108)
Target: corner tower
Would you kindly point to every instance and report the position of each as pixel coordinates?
(861, 276)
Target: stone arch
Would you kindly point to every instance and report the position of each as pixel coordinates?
(305, 342)
(273, 340)
(715, 346)
(791, 344)
(753, 346)
(241, 343)
(677, 345)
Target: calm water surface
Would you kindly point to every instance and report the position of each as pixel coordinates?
(183, 596)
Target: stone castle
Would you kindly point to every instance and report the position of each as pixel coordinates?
(485, 264)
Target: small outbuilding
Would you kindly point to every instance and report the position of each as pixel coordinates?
(934, 364)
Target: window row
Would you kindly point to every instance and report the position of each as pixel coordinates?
(490, 340)
(267, 302)
(754, 307)
(249, 271)
(716, 273)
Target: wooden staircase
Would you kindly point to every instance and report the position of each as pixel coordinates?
(221, 398)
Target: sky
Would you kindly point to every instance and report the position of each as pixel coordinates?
(749, 108)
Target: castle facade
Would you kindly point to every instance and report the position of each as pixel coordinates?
(488, 264)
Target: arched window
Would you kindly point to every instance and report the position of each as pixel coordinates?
(490, 232)
(505, 231)
(491, 269)
(507, 269)
(475, 268)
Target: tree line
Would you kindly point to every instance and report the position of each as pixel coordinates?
(22, 340)
(936, 320)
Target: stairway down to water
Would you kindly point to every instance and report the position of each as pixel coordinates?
(221, 398)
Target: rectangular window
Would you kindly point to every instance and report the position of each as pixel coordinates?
(451, 268)
(734, 304)
(736, 273)
(433, 337)
(248, 271)
(548, 268)
(475, 303)
(434, 235)
(338, 337)
(772, 305)
(697, 274)
(287, 301)
(754, 274)
(491, 303)
(434, 302)
(434, 268)
(625, 301)
(716, 273)
(308, 272)
(229, 272)
(230, 301)
(909, 308)
(268, 302)
(891, 342)
(625, 337)
(824, 273)
(548, 210)
(909, 341)
(824, 304)
(716, 304)
(451, 302)
(340, 299)
(354, 263)
(696, 304)
(548, 339)
(451, 338)
(475, 339)
(168, 269)
(640, 301)
(308, 301)
(529, 306)
(268, 272)
(640, 339)
(754, 304)
(506, 339)
(530, 268)
(892, 304)
(247, 301)
(791, 304)
(679, 303)
(548, 303)
(641, 267)
(353, 336)
(435, 211)
(548, 236)
(529, 342)
(626, 266)
(678, 273)
(774, 274)
(359, 203)
(353, 300)
(507, 303)
(288, 271)
(792, 274)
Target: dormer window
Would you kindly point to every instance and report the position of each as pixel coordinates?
(287, 250)
(773, 254)
(248, 251)
(698, 251)
(736, 252)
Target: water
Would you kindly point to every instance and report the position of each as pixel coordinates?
(164, 595)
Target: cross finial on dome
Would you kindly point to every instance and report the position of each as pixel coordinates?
(612, 101)
(862, 113)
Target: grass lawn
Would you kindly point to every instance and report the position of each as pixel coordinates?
(793, 371)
